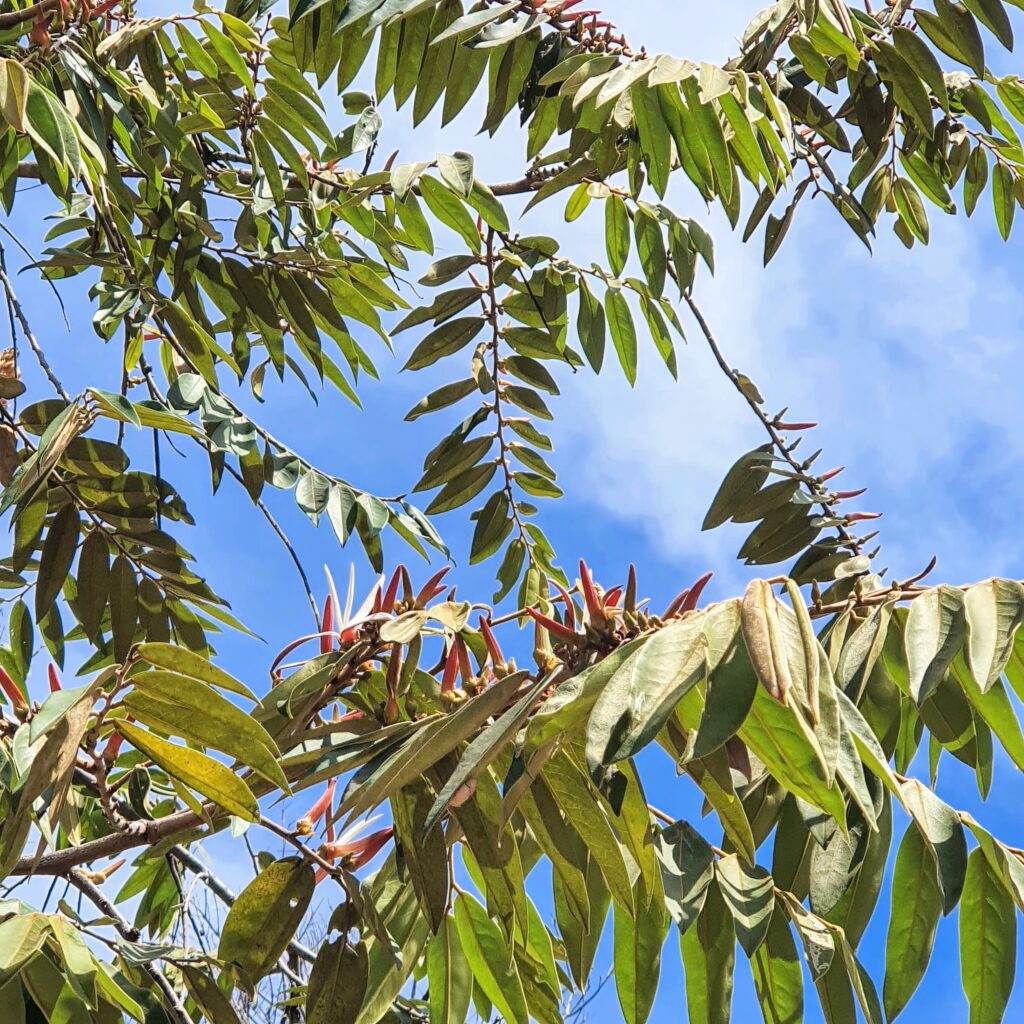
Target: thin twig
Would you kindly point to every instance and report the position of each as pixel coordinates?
(37, 350)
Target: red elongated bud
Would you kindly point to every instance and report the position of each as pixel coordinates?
(327, 626)
(351, 716)
(13, 691)
(860, 517)
(329, 832)
(630, 602)
(612, 597)
(844, 495)
(432, 587)
(831, 473)
(675, 604)
(491, 642)
(394, 669)
(691, 599)
(113, 747)
(570, 608)
(54, 679)
(407, 594)
(388, 603)
(463, 654)
(377, 600)
(451, 668)
(553, 627)
(590, 598)
(795, 426)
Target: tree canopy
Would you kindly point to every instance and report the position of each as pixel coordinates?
(218, 189)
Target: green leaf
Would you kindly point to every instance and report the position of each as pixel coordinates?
(337, 982)
(178, 659)
(709, 960)
(616, 233)
(444, 341)
(57, 555)
(687, 869)
(975, 178)
(911, 209)
(265, 917)
(623, 331)
(741, 483)
(995, 609)
(457, 171)
(778, 977)
(638, 699)
(638, 939)
(940, 826)
(955, 33)
(935, 630)
(449, 977)
(489, 959)
(749, 895)
(916, 909)
(988, 941)
(202, 773)
(186, 707)
(1003, 201)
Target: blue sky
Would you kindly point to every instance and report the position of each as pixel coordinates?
(910, 361)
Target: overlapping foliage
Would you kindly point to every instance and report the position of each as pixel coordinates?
(795, 713)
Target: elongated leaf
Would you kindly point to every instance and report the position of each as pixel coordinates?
(449, 976)
(942, 830)
(916, 909)
(748, 893)
(202, 773)
(778, 978)
(265, 916)
(687, 869)
(988, 941)
(709, 960)
(488, 957)
(935, 630)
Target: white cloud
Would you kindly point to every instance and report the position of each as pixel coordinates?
(909, 360)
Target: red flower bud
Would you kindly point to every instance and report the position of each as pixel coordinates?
(54, 679)
(630, 602)
(860, 517)
(570, 609)
(431, 588)
(388, 603)
(553, 627)
(451, 668)
(795, 426)
(491, 642)
(592, 601)
(13, 691)
(843, 495)
(612, 597)
(113, 747)
(327, 626)
(691, 599)
(675, 604)
(831, 473)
